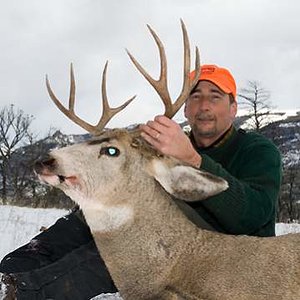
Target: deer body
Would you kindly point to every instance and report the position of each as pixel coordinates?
(151, 249)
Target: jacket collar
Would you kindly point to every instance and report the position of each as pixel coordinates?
(218, 143)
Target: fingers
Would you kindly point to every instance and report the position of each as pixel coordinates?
(165, 122)
(151, 131)
(155, 132)
(154, 129)
(160, 124)
(155, 126)
(161, 132)
(153, 137)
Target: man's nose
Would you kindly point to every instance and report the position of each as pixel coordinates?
(204, 102)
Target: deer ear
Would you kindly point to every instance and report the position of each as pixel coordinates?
(187, 183)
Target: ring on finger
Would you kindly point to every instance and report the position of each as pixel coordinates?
(157, 136)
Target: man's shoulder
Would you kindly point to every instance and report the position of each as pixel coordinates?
(252, 139)
(253, 136)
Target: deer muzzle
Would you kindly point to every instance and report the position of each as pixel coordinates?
(47, 171)
(45, 165)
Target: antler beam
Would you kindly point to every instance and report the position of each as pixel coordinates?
(161, 85)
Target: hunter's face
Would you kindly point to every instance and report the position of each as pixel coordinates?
(209, 112)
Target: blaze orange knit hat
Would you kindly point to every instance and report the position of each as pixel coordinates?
(221, 77)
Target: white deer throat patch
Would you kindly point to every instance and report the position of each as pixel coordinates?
(102, 218)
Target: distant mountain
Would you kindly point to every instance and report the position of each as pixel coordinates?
(286, 135)
(58, 139)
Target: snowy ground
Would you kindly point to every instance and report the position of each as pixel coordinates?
(18, 225)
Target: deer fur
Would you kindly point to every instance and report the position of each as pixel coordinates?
(151, 249)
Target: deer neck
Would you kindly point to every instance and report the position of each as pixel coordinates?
(151, 211)
(150, 238)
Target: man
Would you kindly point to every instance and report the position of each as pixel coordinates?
(63, 263)
(249, 162)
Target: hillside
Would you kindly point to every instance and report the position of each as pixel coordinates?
(286, 135)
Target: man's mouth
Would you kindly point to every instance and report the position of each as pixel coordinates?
(205, 120)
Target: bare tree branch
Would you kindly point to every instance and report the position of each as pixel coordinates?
(14, 132)
(256, 100)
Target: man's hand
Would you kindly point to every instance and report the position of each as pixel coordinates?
(167, 136)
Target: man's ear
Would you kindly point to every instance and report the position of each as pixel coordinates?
(185, 109)
(187, 183)
(233, 109)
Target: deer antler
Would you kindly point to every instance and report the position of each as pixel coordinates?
(107, 112)
(161, 85)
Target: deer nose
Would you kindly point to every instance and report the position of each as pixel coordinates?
(46, 163)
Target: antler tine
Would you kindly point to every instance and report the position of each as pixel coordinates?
(69, 112)
(72, 89)
(107, 112)
(160, 85)
(188, 84)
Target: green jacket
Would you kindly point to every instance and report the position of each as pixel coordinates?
(252, 166)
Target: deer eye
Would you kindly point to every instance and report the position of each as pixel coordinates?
(109, 151)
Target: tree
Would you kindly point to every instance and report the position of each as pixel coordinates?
(256, 100)
(14, 132)
(288, 205)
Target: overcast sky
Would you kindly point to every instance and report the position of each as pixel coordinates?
(255, 39)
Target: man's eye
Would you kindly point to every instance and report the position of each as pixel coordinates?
(110, 151)
(194, 96)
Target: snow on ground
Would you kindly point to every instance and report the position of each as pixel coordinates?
(108, 297)
(282, 228)
(19, 224)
